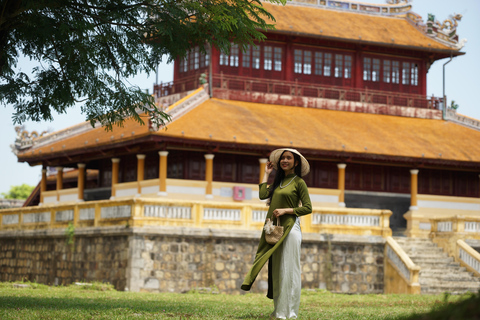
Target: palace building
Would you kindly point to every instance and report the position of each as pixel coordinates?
(343, 82)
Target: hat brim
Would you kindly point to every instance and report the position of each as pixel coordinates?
(275, 156)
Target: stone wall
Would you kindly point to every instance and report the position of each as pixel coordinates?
(45, 257)
(166, 259)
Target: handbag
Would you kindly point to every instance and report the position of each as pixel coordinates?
(273, 233)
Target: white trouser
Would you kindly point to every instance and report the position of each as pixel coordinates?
(287, 278)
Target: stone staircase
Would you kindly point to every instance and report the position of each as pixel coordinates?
(439, 273)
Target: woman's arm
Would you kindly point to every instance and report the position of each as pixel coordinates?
(281, 211)
(306, 207)
(268, 170)
(263, 190)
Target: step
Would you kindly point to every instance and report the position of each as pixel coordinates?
(446, 274)
(433, 255)
(430, 260)
(421, 248)
(404, 239)
(440, 270)
(440, 290)
(467, 281)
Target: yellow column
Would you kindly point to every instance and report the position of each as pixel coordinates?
(140, 171)
(341, 183)
(81, 181)
(115, 165)
(413, 189)
(59, 181)
(43, 184)
(162, 173)
(209, 175)
(262, 161)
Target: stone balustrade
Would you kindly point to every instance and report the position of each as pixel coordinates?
(467, 225)
(139, 212)
(468, 257)
(401, 274)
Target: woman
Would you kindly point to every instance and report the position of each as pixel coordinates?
(288, 198)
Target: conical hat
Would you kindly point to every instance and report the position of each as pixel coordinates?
(275, 156)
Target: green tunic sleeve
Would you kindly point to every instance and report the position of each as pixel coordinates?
(263, 190)
(302, 192)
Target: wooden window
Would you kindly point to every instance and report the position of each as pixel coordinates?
(376, 70)
(234, 56)
(318, 63)
(277, 56)
(327, 65)
(298, 61)
(414, 74)
(224, 59)
(302, 61)
(348, 67)
(367, 69)
(184, 63)
(267, 58)
(395, 72)
(307, 62)
(256, 57)
(338, 66)
(197, 58)
(386, 71)
(406, 73)
(246, 57)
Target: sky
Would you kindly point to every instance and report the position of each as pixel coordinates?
(461, 84)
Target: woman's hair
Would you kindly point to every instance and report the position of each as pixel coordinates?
(281, 174)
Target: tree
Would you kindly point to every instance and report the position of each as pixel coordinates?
(19, 192)
(87, 48)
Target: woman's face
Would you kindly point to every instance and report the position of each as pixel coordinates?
(287, 162)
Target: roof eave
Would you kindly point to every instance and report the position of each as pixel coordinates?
(447, 52)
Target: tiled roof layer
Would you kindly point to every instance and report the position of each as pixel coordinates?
(321, 22)
(304, 128)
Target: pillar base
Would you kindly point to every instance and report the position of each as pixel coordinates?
(162, 194)
(112, 198)
(209, 196)
(413, 208)
(342, 204)
(80, 200)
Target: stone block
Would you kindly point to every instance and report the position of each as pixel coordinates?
(219, 266)
(151, 283)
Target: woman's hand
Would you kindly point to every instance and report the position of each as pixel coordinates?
(280, 212)
(269, 167)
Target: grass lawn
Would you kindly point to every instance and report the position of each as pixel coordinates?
(101, 302)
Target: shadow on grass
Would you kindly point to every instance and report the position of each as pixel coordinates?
(121, 307)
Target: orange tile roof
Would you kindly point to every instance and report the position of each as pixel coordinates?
(92, 138)
(306, 128)
(327, 130)
(323, 22)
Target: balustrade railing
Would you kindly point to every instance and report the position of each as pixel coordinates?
(468, 257)
(470, 226)
(138, 212)
(357, 221)
(261, 86)
(403, 266)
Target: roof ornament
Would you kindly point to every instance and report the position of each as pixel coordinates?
(24, 139)
(445, 32)
(391, 8)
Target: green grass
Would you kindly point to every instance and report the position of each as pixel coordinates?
(98, 301)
